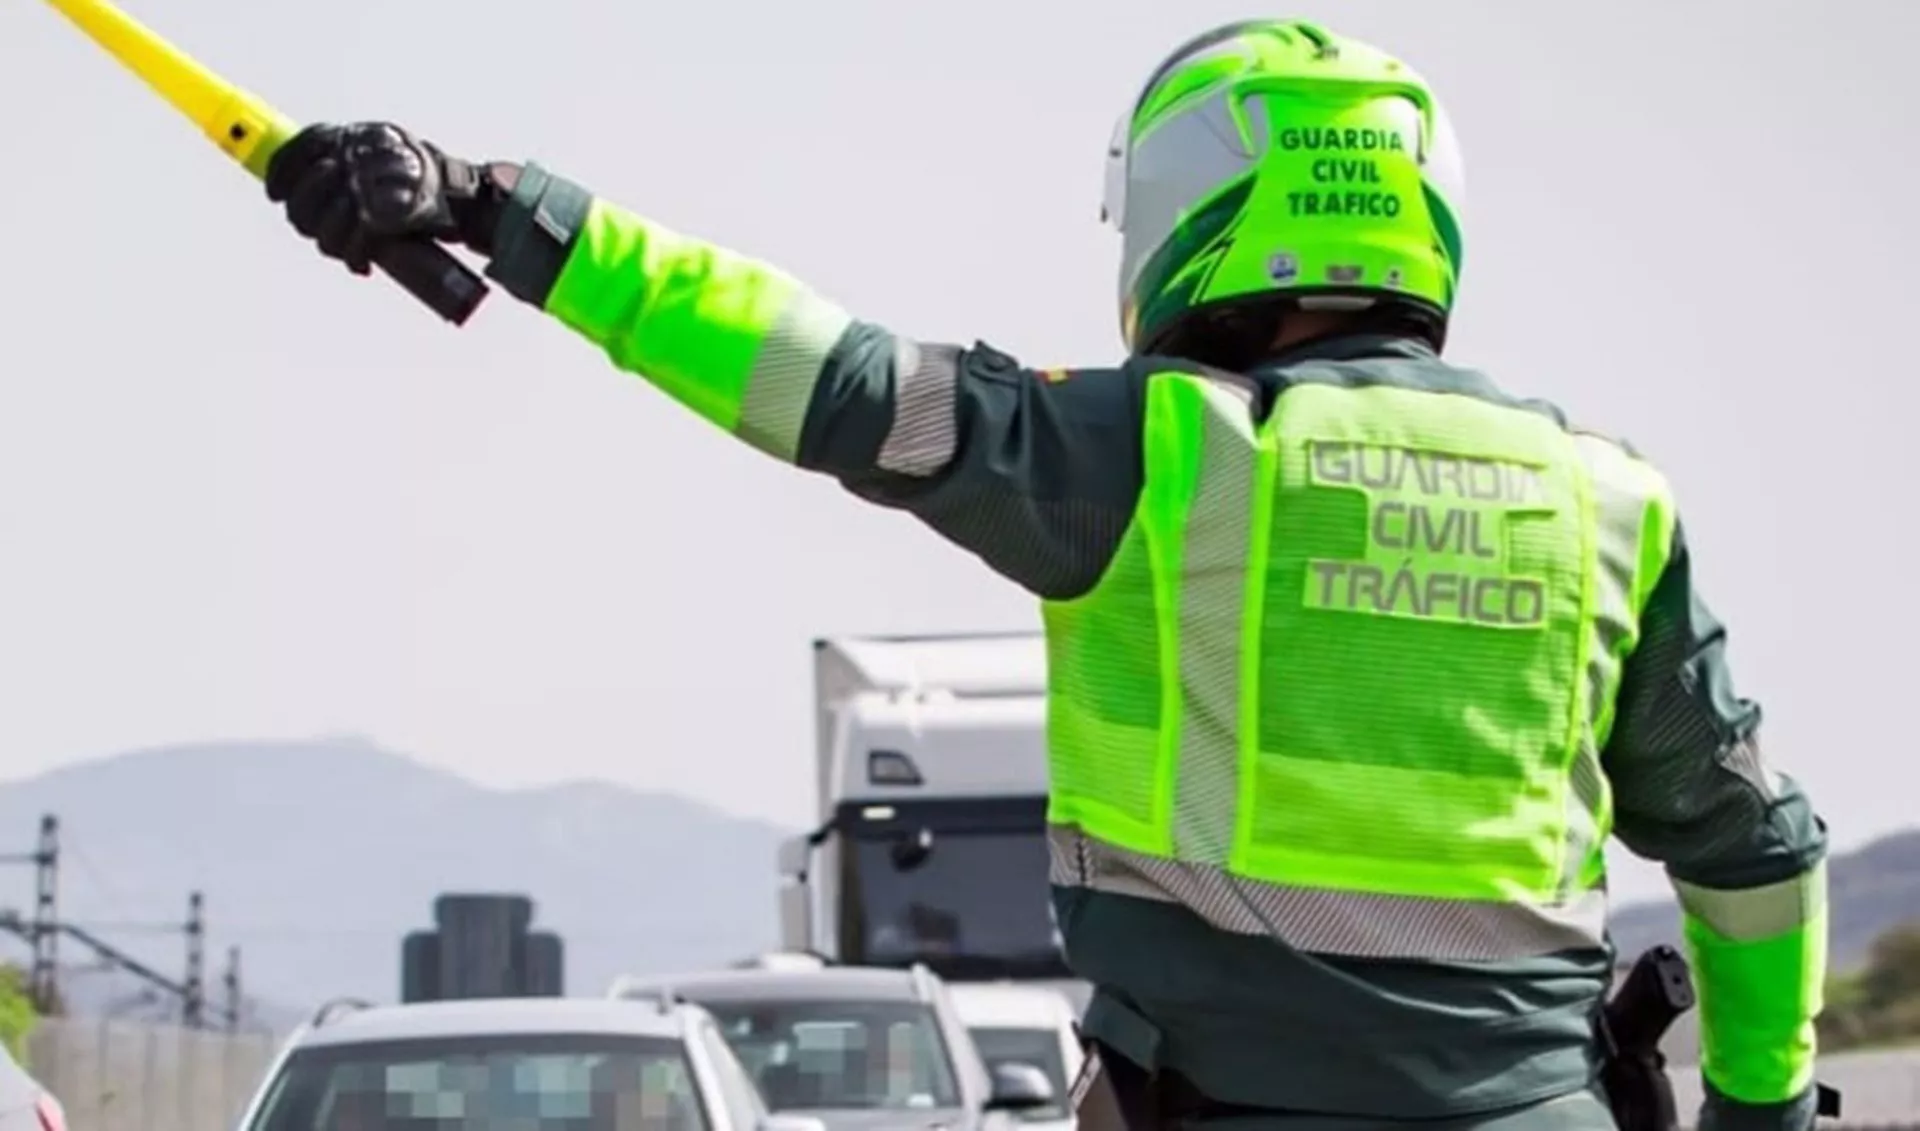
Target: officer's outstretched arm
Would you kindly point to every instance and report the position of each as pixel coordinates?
(1743, 847)
(1036, 474)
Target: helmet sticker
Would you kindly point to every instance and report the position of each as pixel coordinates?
(1343, 164)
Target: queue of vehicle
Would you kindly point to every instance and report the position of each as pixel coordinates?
(787, 1044)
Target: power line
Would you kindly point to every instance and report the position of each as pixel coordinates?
(45, 928)
(130, 927)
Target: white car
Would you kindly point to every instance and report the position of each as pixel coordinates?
(1018, 1024)
(26, 1105)
(860, 1048)
(559, 1064)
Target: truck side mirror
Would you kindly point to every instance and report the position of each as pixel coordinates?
(796, 896)
(794, 856)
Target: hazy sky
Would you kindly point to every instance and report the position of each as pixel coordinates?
(248, 495)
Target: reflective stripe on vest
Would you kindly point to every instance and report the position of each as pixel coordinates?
(1348, 678)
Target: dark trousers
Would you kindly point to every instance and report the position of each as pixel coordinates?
(1581, 1111)
(1114, 1094)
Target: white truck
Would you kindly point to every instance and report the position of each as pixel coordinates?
(931, 785)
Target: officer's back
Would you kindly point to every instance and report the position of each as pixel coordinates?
(1340, 734)
(1367, 884)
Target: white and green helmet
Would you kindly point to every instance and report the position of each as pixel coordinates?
(1273, 160)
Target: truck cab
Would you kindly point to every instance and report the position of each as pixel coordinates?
(931, 789)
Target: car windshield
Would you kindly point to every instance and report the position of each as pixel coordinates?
(817, 1055)
(557, 1082)
(1037, 1047)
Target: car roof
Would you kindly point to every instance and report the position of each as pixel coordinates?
(1008, 1005)
(833, 983)
(496, 1017)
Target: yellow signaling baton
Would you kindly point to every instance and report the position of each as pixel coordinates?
(251, 132)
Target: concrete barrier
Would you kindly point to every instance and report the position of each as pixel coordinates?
(122, 1076)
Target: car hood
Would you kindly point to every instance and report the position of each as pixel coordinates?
(895, 1119)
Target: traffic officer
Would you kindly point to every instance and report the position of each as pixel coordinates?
(1356, 660)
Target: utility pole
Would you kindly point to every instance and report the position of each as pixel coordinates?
(193, 1001)
(230, 986)
(42, 932)
(45, 932)
(43, 929)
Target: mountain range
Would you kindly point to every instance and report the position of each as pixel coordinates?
(317, 857)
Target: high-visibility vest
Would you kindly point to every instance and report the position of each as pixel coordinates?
(1348, 679)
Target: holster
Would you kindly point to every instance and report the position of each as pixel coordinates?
(1640, 1093)
(1657, 990)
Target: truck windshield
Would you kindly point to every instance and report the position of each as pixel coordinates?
(554, 1081)
(960, 886)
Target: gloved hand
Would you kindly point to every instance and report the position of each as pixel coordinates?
(351, 188)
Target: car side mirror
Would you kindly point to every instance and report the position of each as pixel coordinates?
(911, 850)
(1018, 1086)
(786, 1122)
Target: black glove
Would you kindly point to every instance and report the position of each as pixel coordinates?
(350, 189)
